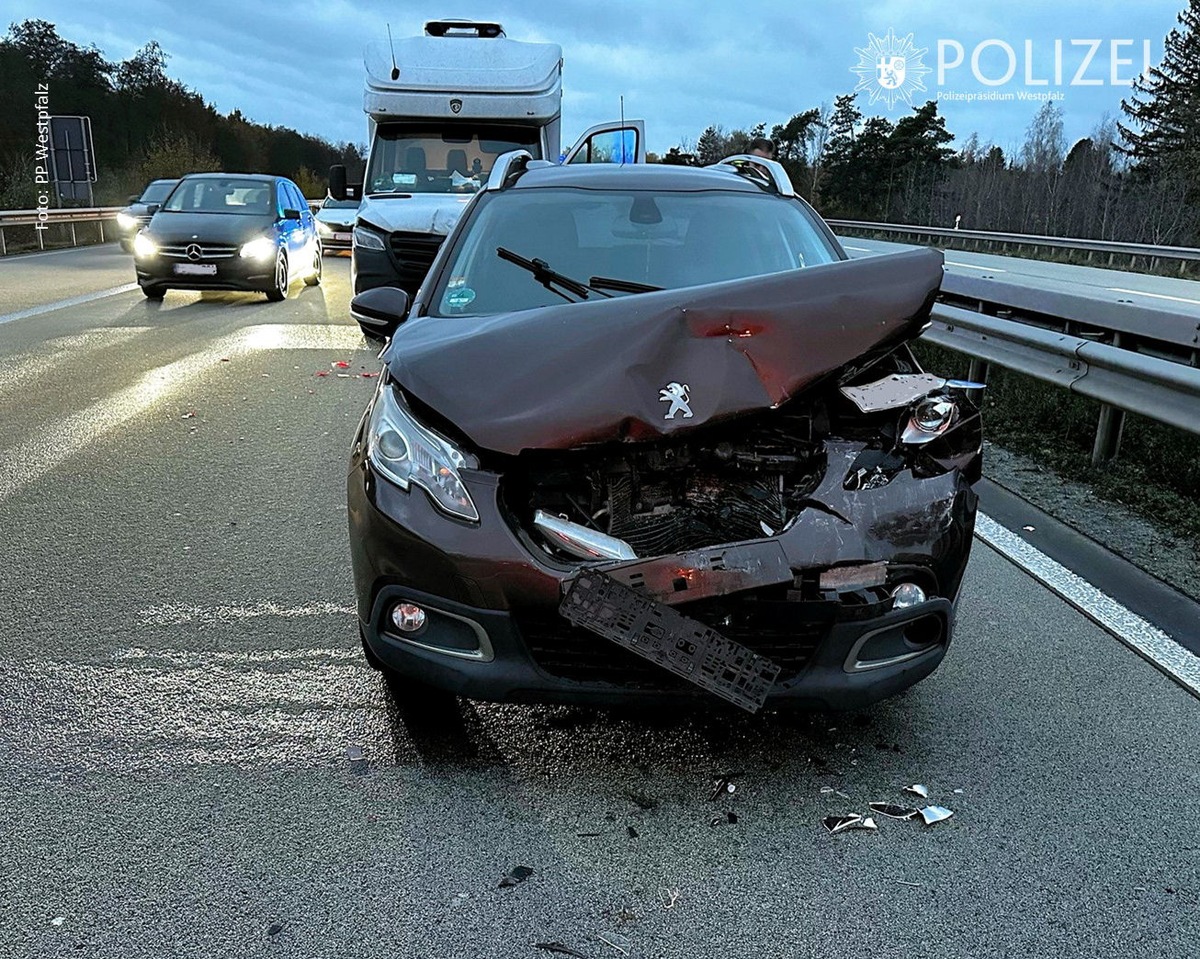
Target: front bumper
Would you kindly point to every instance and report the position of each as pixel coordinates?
(491, 596)
(232, 273)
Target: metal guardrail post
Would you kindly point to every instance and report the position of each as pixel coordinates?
(1108, 435)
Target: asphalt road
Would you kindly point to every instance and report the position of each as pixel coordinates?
(180, 683)
(1143, 289)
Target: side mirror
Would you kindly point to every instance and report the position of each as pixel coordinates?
(380, 311)
(291, 214)
(151, 209)
(133, 199)
(337, 181)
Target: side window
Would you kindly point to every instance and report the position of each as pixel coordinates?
(283, 201)
(300, 203)
(609, 146)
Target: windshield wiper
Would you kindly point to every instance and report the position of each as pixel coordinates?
(544, 275)
(622, 286)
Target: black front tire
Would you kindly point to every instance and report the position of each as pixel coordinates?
(280, 290)
(314, 278)
(151, 292)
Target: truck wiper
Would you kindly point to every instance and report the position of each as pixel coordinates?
(544, 275)
(621, 286)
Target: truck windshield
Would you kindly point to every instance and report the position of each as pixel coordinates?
(406, 159)
(650, 239)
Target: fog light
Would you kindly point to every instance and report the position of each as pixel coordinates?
(409, 618)
(903, 596)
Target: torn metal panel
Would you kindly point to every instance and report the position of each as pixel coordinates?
(646, 366)
(701, 573)
(675, 642)
(859, 576)
(892, 392)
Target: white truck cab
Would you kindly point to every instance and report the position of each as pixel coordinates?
(441, 108)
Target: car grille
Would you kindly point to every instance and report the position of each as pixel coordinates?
(770, 628)
(414, 252)
(208, 251)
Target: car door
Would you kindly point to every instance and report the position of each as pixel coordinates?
(613, 142)
(292, 228)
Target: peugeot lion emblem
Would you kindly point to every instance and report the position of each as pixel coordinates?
(193, 251)
(455, 105)
(678, 395)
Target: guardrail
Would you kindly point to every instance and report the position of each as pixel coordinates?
(69, 216)
(1122, 380)
(1184, 255)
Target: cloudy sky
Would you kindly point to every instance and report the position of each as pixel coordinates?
(680, 65)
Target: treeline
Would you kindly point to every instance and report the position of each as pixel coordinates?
(144, 124)
(1136, 180)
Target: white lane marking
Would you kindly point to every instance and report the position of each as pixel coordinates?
(857, 249)
(63, 304)
(29, 461)
(1142, 637)
(972, 266)
(1157, 296)
(176, 614)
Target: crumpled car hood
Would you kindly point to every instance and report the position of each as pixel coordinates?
(653, 364)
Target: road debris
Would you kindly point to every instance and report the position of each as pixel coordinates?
(189, 415)
(932, 814)
(516, 876)
(58, 920)
(274, 929)
(904, 882)
(357, 759)
(722, 786)
(670, 897)
(559, 949)
(894, 810)
(836, 824)
(830, 791)
(339, 365)
(621, 949)
(322, 372)
(1029, 529)
(918, 790)
(631, 832)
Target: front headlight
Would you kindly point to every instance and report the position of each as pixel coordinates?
(125, 221)
(144, 246)
(368, 239)
(324, 228)
(928, 419)
(406, 452)
(261, 249)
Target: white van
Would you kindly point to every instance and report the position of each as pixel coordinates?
(441, 108)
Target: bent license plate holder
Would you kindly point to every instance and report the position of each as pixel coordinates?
(675, 642)
(701, 573)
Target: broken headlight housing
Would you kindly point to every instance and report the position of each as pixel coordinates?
(928, 420)
(406, 452)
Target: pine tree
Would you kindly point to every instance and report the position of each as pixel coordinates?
(1164, 112)
(710, 148)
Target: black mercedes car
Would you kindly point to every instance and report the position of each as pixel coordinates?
(229, 231)
(645, 432)
(140, 209)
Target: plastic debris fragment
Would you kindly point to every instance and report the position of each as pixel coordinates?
(918, 790)
(894, 810)
(841, 823)
(559, 949)
(340, 365)
(631, 832)
(932, 814)
(670, 897)
(721, 787)
(357, 759)
(516, 876)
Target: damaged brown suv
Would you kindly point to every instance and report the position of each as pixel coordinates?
(646, 433)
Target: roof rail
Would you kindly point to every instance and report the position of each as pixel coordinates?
(463, 28)
(512, 164)
(749, 165)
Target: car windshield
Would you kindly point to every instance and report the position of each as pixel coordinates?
(332, 204)
(156, 192)
(407, 160)
(222, 195)
(659, 239)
